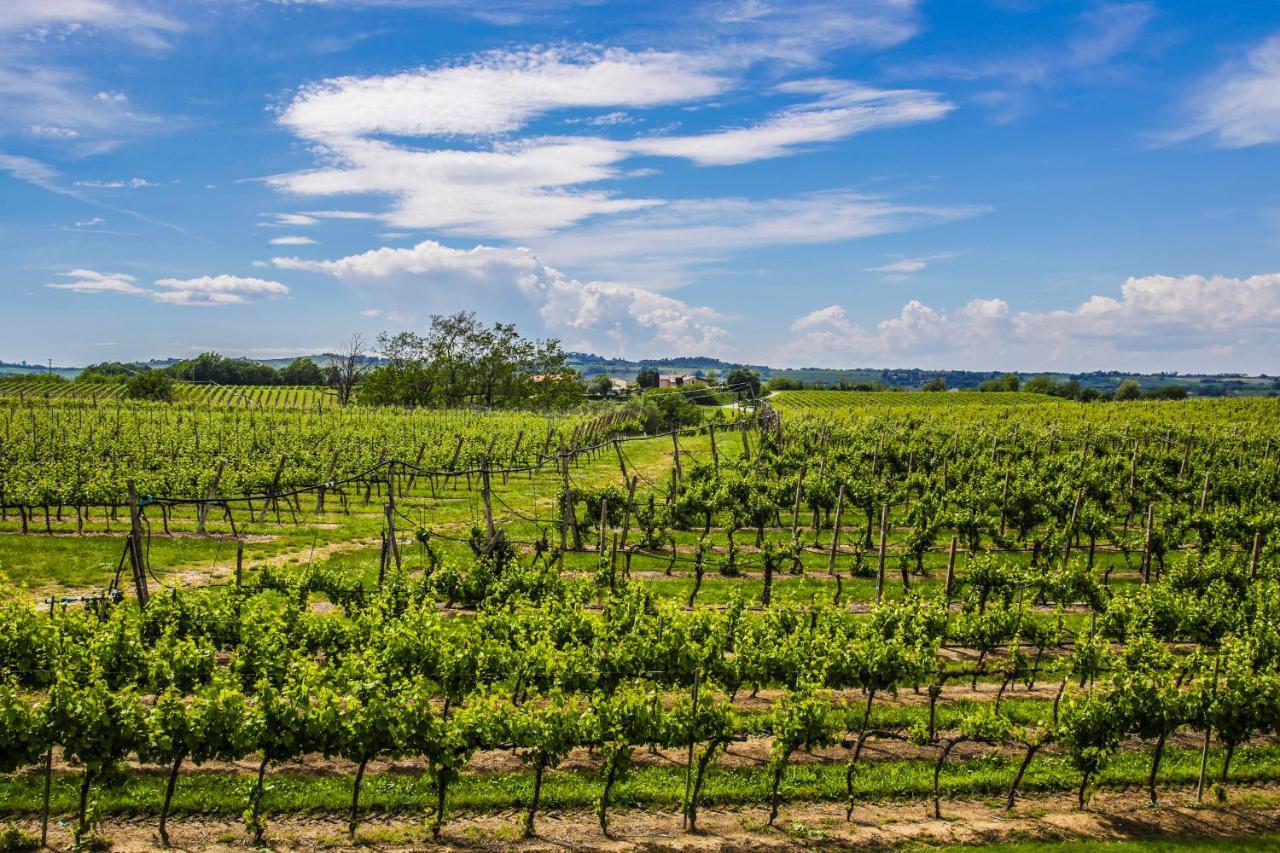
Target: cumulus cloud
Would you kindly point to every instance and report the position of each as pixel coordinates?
(1239, 105)
(205, 290)
(1156, 322)
(626, 317)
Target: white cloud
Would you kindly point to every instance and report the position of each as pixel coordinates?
(90, 223)
(845, 109)
(487, 185)
(205, 290)
(32, 171)
(625, 317)
(901, 269)
(665, 246)
(293, 241)
(89, 281)
(132, 183)
(290, 219)
(216, 290)
(51, 132)
(516, 191)
(905, 265)
(60, 19)
(1156, 323)
(495, 93)
(1239, 105)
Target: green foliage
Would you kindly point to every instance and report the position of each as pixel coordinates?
(153, 385)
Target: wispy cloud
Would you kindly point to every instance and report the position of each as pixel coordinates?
(525, 188)
(1239, 104)
(293, 241)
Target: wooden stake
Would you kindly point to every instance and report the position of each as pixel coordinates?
(884, 529)
(136, 554)
(835, 533)
(951, 572)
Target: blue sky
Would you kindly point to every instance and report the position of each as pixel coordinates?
(1005, 184)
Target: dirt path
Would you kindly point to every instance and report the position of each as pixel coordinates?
(800, 826)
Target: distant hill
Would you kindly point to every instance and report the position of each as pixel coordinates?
(589, 364)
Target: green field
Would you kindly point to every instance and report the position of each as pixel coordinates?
(1081, 579)
(819, 401)
(235, 396)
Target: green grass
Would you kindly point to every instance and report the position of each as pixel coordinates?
(658, 787)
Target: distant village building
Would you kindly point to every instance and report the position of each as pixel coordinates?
(619, 385)
(681, 380)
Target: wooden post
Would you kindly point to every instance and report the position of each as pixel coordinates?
(1254, 555)
(795, 509)
(1146, 548)
(488, 501)
(333, 472)
(275, 487)
(835, 533)
(203, 512)
(622, 464)
(393, 547)
(1004, 500)
(746, 443)
(604, 522)
(136, 554)
(1204, 492)
(515, 455)
(626, 511)
(1071, 526)
(715, 456)
(951, 572)
(239, 562)
(675, 444)
(884, 525)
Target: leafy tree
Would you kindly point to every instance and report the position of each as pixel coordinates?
(648, 377)
(154, 385)
(302, 371)
(601, 384)
(1129, 389)
(937, 383)
(743, 380)
(1008, 382)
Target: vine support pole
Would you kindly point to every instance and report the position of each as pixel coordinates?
(675, 447)
(1254, 555)
(884, 529)
(203, 512)
(488, 498)
(951, 572)
(136, 558)
(835, 532)
(693, 734)
(1146, 548)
